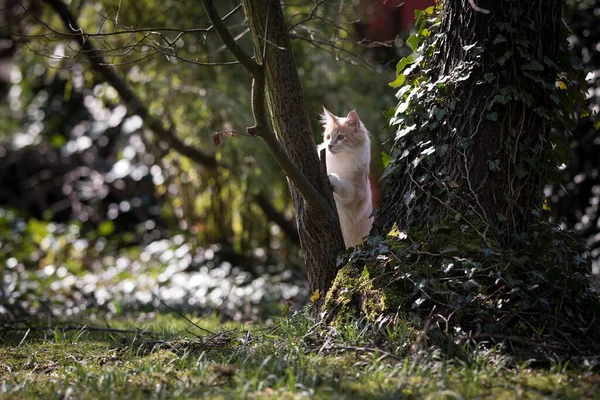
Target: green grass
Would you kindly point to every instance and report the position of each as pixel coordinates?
(294, 358)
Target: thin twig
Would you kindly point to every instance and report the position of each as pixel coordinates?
(183, 316)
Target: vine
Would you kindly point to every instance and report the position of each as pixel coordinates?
(485, 104)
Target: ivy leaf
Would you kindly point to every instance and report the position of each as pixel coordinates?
(399, 81)
(533, 66)
(505, 57)
(439, 113)
(499, 39)
(449, 250)
(546, 205)
(315, 296)
(429, 10)
(494, 165)
(385, 159)
(413, 42)
(488, 252)
(403, 63)
(492, 116)
(465, 143)
(488, 77)
(549, 62)
(521, 172)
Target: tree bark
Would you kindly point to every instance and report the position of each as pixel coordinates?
(497, 135)
(480, 127)
(319, 229)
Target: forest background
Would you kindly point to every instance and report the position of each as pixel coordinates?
(149, 208)
(97, 212)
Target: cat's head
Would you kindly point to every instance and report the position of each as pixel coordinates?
(343, 134)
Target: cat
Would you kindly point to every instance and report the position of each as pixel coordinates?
(348, 155)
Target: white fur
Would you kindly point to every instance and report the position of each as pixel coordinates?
(348, 169)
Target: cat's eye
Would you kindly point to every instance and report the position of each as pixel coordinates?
(328, 136)
(341, 137)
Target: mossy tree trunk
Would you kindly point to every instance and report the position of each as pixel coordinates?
(480, 129)
(490, 151)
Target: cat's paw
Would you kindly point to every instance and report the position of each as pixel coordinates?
(334, 181)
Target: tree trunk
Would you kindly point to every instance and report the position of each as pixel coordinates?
(478, 136)
(491, 138)
(320, 234)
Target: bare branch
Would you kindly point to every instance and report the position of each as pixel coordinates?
(99, 64)
(261, 127)
(228, 39)
(308, 17)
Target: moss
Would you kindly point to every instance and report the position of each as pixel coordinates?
(364, 288)
(338, 299)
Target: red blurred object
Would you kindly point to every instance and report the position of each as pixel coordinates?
(384, 19)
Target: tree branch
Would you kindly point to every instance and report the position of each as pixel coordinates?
(99, 64)
(261, 127)
(228, 39)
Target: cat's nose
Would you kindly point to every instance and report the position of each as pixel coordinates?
(329, 146)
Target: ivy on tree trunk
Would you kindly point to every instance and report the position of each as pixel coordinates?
(462, 238)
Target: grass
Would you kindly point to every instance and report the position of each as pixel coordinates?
(167, 357)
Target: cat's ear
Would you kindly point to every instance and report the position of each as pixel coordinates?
(327, 118)
(352, 119)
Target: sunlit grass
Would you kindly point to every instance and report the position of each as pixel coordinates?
(165, 356)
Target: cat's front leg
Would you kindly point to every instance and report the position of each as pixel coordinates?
(342, 189)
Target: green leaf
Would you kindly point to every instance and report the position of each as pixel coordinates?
(488, 77)
(492, 116)
(505, 57)
(521, 172)
(413, 42)
(439, 113)
(403, 63)
(385, 159)
(449, 250)
(399, 81)
(533, 66)
(494, 165)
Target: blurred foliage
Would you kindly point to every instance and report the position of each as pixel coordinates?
(86, 185)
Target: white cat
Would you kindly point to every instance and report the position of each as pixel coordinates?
(348, 156)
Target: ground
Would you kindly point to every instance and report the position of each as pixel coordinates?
(158, 355)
